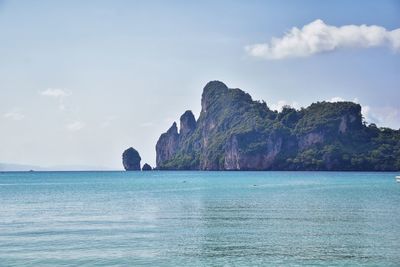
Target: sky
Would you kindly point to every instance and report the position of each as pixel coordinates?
(80, 81)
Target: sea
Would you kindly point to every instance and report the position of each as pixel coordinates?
(168, 218)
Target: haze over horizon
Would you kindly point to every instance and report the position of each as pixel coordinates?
(82, 81)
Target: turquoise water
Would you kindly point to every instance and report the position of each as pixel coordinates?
(199, 219)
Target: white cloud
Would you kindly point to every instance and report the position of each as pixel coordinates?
(54, 92)
(75, 126)
(341, 99)
(368, 116)
(318, 37)
(57, 93)
(14, 115)
(336, 99)
(281, 103)
(382, 116)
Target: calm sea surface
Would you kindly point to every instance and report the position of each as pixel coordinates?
(199, 219)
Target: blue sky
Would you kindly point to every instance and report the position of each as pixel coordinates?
(80, 81)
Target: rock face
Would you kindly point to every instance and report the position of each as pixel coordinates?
(131, 159)
(167, 145)
(233, 132)
(188, 124)
(146, 167)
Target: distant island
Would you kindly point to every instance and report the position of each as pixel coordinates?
(233, 132)
(12, 167)
(131, 161)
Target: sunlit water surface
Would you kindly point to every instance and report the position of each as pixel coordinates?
(199, 219)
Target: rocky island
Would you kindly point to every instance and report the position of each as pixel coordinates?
(233, 132)
(146, 167)
(131, 159)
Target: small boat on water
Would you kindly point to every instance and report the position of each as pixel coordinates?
(398, 179)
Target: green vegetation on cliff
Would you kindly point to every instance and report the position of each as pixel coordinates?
(233, 132)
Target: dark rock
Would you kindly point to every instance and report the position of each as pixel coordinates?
(167, 145)
(146, 167)
(131, 159)
(188, 123)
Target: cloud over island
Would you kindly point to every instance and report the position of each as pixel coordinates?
(319, 37)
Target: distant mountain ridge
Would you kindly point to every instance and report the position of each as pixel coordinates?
(233, 132)
(18, 167)
(25, 167)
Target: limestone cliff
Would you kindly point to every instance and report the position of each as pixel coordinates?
(131, 159)
(146, 167)
(233, 132)
(187, 124)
